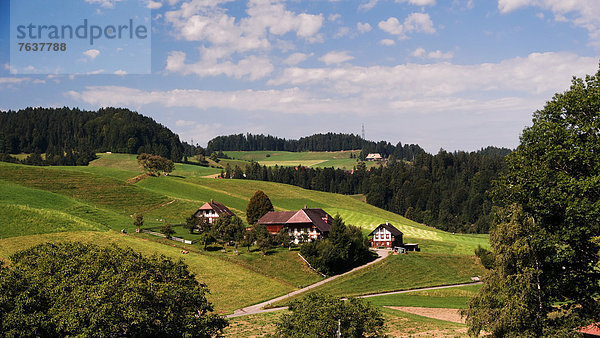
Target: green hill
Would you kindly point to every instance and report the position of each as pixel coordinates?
(93, 203)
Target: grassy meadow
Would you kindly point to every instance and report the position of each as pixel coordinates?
(92, 204)
(315, 159)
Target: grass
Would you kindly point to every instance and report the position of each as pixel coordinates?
(231, 286)
(398, 324)
(451, 298)
(317, 159)
(402, 272)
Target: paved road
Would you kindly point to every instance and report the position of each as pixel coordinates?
(258, 308)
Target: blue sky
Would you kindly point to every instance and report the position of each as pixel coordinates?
(454, 74)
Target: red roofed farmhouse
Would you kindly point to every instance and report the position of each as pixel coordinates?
(212, 210)
(313, 222)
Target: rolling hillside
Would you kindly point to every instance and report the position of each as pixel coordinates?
(94, 203)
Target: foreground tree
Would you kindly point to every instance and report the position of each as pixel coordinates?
(74, 289)
(258, 206)
(318, 315)
(543, 243)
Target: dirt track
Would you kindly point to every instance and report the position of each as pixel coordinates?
(450, 315)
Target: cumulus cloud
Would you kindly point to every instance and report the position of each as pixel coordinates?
(436, 55)
(415, 22)
(363, 27)
(418, 2)
(295, 59)
(367, 5)
(336, 57)
(154, 4)
(91, 53)
(104, 3)
(13, 80)
(582, 13)
(252, 68)
(236, 47)
(343, 31)
(387, 42)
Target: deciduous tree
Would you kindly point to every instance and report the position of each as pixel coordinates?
(543, 245)
(75, 289)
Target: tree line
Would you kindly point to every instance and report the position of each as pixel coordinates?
(316, 142)
(446, 190)
(65, 130)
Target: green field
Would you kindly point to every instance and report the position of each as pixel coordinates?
(451, 298)
(93, 203)
(316, 159)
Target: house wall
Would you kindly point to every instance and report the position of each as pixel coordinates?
(210, 214)
(297, 230)
(382, 237)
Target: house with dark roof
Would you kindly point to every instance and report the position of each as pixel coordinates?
(212, 210)
(315, 223)
(386, 235)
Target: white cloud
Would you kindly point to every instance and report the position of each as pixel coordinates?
(154, 4)
(343, 31)
(415, 22)
(184, 123)
(387, 42)
(419, 52)
(91, 53)
(436, 55)
(252, 67)
(236, 47)
(363, 27)
(582, 13)
(334, 17)
(336, 57)
(120, 72)
(104, 3)
(418, 2)
(367, 5)
(295, 59)
(13, 80)
(6, 66)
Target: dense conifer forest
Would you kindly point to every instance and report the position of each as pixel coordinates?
(60, 131)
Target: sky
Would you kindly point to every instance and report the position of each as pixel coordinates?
(451, 74)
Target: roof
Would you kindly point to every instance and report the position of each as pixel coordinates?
(276, 217)
(314, 216)
(592, 330)
(217, 207)
(392, 229)
(374, 155)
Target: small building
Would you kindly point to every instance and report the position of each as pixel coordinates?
(315, 223)
(592, 330)
(374, 157)
(212, 210)
(387, 236)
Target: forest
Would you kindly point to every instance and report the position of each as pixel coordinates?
(446, 190)
(60, 131)
(316, 142)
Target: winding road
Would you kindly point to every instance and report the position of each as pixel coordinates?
(258, 308)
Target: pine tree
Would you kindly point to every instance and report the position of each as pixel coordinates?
(258, 206)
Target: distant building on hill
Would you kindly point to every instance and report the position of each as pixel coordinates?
(212, 210)
(315, 223)
(374, 157)
(388, 236)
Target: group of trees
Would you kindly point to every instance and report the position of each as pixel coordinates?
(344, 248)
(446, 190)
(154, 164)
(75, 289)
(545, 240)
(317, 142)
(63, 157)
(58, 131)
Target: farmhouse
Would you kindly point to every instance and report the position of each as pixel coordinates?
(374, 157)
(314, 223)
(212, 210)
(386, 235)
